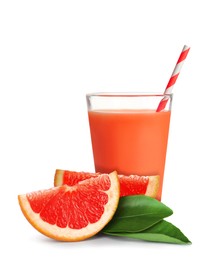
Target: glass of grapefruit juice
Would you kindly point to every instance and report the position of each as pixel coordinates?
(127, 133)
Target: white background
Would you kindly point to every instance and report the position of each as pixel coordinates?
(51, 54)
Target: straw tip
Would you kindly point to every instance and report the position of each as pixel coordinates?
(185, 47)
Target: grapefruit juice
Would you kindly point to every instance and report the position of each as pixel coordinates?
(130, 141)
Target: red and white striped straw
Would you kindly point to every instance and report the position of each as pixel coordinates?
(173, 77)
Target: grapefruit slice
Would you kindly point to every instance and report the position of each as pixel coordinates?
(129, 185)
(73, 213)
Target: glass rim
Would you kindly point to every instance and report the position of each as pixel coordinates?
(128, 94)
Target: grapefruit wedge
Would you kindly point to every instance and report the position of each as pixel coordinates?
(129, 185)
(73, 213)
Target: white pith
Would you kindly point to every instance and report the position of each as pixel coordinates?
(153, 186)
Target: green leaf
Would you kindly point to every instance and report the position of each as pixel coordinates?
(136, 213)
(163, 231)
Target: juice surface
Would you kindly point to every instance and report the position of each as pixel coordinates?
(130, 141)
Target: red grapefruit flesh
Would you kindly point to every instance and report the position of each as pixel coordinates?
(129, 185)
(73, 213)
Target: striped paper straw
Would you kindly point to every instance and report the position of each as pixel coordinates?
(173, 77)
